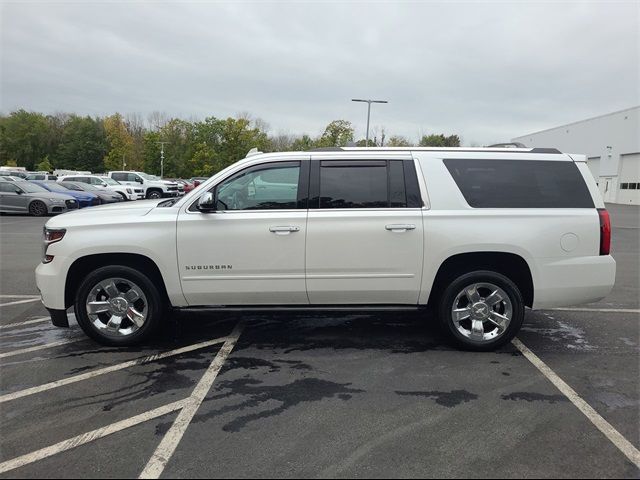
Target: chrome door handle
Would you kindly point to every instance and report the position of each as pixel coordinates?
(400, 227)
(284, 230)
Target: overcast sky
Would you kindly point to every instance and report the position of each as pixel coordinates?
(486, 71)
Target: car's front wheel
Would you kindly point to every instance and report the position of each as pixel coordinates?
(481, 310)
(118, 305)
(37, 208)
(154, 194)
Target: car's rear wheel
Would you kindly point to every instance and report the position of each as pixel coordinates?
(481, 310)
(38, 208)
(117, 305)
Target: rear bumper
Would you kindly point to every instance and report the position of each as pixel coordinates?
(572, 281)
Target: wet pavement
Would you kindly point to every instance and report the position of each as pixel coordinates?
(321, 395)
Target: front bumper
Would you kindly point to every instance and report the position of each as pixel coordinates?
(50, 285)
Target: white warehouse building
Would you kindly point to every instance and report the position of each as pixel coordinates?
(612, 145)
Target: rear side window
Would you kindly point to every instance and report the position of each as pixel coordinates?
(486, 183)
(121, 177)
(367, 184)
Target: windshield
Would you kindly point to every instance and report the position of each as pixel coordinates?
(86, 186)
(55, 187)
(31, 187)
(146, 176)
(109, 181)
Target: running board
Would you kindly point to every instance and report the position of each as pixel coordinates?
(301, 308)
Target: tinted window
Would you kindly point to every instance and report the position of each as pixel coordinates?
(520, 183)
(121, 177)
(354, 184)
(7, 187)
(263, 187)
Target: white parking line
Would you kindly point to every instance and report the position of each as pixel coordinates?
(28, 300)
(603, 310)
(601, 424)
(28, 322)
(112, 368)
(89, 436)
(40, 347)
(170, 441)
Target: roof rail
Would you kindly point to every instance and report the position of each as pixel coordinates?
(508, 145)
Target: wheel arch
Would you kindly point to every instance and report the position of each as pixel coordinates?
(510, 265)
(83, 265)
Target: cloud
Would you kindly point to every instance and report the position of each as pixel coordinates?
(486, 71)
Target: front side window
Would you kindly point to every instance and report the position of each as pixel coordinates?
(263, 187)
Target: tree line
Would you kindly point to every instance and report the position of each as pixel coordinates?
(191, 147)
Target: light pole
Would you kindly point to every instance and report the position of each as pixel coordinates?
(162, 144)
(369, 102)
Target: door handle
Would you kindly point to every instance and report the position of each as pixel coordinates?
(284, 230)
(399, 228)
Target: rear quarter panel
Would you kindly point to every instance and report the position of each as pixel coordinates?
(542, 237)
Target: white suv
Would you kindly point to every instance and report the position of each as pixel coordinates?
(152, 186)
(105, 183)
(476, 234)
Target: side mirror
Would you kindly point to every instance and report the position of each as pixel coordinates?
(207, 203)
(18, 191)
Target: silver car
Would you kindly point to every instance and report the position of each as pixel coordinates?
(26, 197)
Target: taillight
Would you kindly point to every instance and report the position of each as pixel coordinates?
(605, 231)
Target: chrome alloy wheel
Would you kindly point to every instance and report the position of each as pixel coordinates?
(117, 307)
(482, 312)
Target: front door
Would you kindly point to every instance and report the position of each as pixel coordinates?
(12, 198)
(250, 251)
(364, 232)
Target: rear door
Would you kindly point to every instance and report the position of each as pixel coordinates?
(364, 230)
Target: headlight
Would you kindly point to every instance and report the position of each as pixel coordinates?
(51, 235)
(56, 200)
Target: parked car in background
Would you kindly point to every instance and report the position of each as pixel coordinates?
(12, 179)
(84, 199)
(105, 196)
(14, 173)
(198, 180)
(27, 197)
(153, 186)
(105, 183)
(41, 176)
(186, 185)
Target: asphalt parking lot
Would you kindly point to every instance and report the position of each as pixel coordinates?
(320, 395)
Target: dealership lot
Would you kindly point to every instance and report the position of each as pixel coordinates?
(310, 394)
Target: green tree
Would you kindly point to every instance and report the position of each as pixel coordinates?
(398, 141)
(82, 146)
(23, 138)
(337, 134)
(119, 143)
(44, 165)
(439, 141)
(302, 144)
(11, 163)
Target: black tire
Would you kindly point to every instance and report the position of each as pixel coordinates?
(451, 292)
(153, 194)
(155, 305)
(124, 197)
(37, 208)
